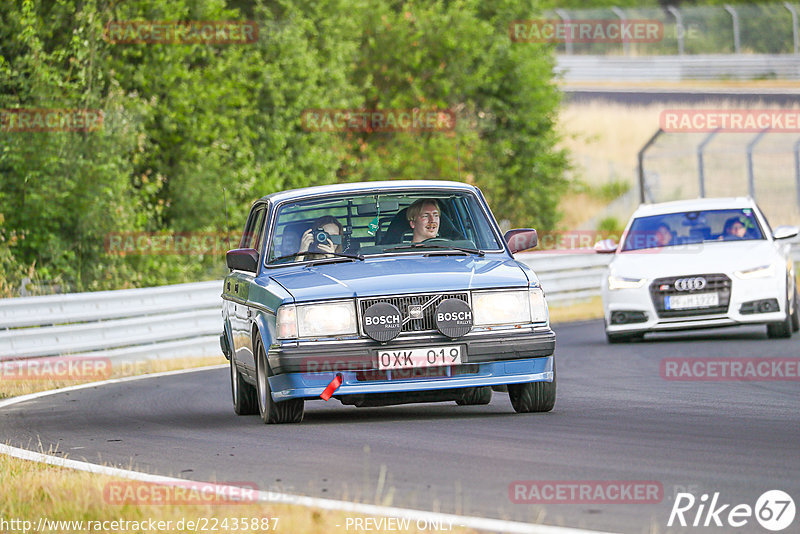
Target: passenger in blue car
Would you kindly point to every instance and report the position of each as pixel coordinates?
(423, 217)
(322, 239)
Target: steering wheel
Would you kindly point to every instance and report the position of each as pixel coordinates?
(434, 240)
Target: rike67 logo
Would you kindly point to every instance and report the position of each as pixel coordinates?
(774, 510)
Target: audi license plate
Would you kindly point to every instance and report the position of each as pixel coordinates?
(698, 300)
(420, 357)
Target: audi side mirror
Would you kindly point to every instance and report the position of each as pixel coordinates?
(785, 232)
(521, 239)
(606, 246)
(242, 259)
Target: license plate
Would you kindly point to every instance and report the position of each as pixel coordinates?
(698, 300)
(419, 357)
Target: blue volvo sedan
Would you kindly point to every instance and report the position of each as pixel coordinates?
(383, 293)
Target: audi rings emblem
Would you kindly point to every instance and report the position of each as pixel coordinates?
(690, 284)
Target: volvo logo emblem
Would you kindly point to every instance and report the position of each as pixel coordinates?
(415, 311)
(690, 284)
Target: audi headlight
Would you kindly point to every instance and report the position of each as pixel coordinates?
(316, 320)
(762, 271)
(501, 307)
(623, 282)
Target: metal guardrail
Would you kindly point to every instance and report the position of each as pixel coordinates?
(185, 319)
(128, 324)
(678, 68)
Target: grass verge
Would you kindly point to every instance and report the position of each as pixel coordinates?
(576, 311)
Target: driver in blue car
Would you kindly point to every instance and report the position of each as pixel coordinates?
(423, 217)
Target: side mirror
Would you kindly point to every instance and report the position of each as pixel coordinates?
(521, 239)
(242, 259)
(785, 232)
(606, 246)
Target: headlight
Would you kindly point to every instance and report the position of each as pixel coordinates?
(501, 307)
(762, 271)
(622, 282)
(539, 311)
(316, 320)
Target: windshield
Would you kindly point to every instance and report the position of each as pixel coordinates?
(370, 224)
(692, 227)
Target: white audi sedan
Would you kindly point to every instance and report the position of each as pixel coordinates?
(702, 263)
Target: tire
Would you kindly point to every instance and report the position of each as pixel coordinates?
(271, 412)
(783, 329)
(533, 396)
(796, 313)
(476, 396)
(244, 395)
(623, 338)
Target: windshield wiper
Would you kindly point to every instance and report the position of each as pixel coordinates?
(445, 247)
(306, 253)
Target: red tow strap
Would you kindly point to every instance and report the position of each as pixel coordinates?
(332, 387)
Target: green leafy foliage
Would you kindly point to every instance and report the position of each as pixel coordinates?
(182, 121)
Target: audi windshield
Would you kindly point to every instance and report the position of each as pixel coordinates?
(691, 227)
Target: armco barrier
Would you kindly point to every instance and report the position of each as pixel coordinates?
(128, 324)
(186, 319)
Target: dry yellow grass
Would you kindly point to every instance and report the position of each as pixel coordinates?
(11, 387)
(603, 140)
(33, 492)
(577, 311)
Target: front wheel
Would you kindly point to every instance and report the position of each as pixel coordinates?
(290, 411)
(244, 395)
(796, 312)
(476, 396)
(623, 338)
(783, 329)
(533, 396)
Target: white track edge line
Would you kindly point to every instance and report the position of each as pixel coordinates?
(480, 523)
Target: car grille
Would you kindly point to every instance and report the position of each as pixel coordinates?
(715, 283)
(428, 300)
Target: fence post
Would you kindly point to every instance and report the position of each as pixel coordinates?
(795, 39)
(565, 17)
(751, 181)
(796, 150)
(626, 46)
(701, 170)
(679, 30)
(737, 45)
(640, 157)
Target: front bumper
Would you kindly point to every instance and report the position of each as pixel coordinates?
(742, 292)
(306, 369)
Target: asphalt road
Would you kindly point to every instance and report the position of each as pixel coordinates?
(615, 419)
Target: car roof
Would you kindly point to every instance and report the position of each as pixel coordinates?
(695, 204)
(367, 187)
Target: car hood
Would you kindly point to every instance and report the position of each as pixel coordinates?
(397, 275)
(700, 258)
